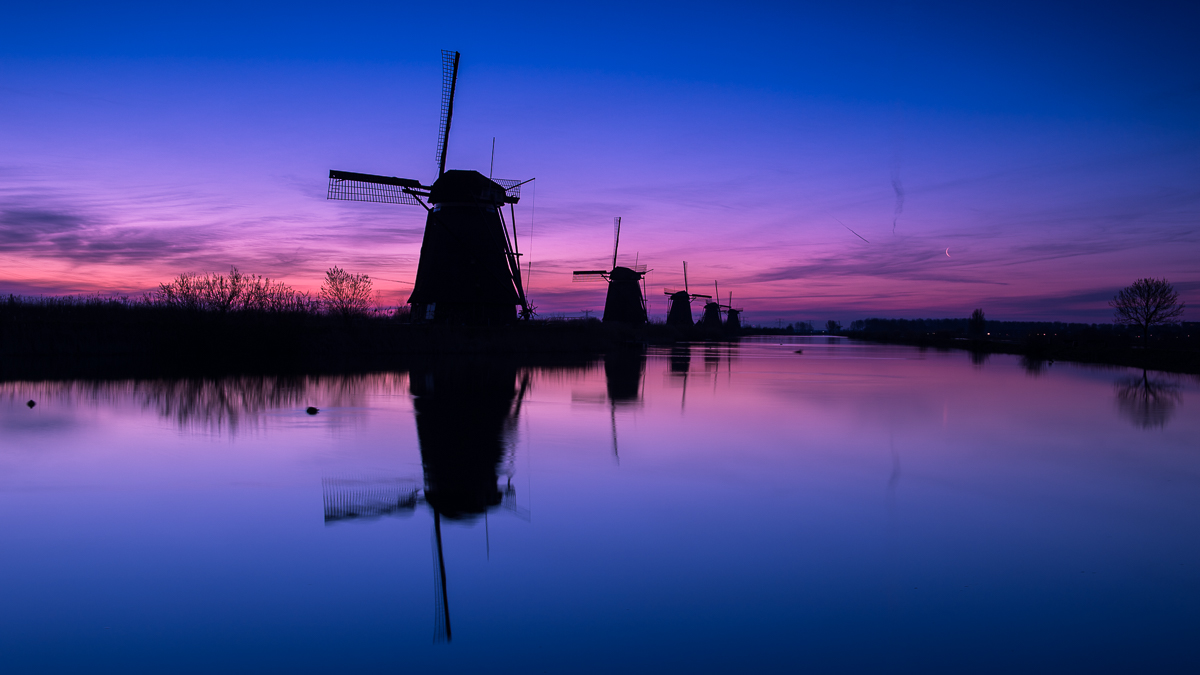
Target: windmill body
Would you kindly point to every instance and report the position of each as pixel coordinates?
(625, 302)
(733, 321)
(680, 313)
(466, 272)
(711, 320)
(469, 270)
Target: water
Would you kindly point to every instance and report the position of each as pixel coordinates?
(853, 508)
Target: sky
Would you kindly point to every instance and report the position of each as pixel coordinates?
(819, 162)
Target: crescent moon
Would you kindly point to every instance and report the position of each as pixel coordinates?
(947, 251)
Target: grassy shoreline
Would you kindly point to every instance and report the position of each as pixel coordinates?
(58, 339)
(91, 337)
(1165, 355)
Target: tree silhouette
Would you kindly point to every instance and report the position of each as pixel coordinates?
(1146, 303)
(976, 324)
(344, 293)
(236, 292)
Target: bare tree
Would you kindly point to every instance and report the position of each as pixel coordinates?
(236, 292)
(1146, 303)
(346, 294)
(977, 324)
(832, 326)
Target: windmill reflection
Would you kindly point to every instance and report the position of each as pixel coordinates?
(1148, 403)
(623, 376)
(681, 363)
(466, 415)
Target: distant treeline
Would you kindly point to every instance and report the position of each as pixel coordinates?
(1012, 329)
(1171, 347)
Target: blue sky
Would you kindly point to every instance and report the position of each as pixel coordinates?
(1052, 150)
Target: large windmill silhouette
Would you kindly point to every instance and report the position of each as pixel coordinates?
(626, 299)
(469, 271)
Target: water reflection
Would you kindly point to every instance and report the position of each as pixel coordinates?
(623, 378)
(928, 498)
(681, 361)
(1035, 366)
(1147, 402)
(978, 357)
(466, 414)
(215, 405)
(369, 498)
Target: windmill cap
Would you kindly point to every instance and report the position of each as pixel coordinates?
(465, 187)
(625, 274)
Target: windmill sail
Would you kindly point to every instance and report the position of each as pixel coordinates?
(449, 82)
(365, 187)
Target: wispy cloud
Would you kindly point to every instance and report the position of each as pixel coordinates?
(31, 227)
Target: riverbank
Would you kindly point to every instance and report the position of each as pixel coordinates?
(40, 340)
(1174, 350)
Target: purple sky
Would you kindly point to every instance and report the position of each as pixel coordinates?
(1054, 152)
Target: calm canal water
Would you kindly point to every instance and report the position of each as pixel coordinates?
(853, 508)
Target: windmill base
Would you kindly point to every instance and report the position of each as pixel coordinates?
(464, 313)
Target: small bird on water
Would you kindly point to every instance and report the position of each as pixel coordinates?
(312, 410)
(31, 403)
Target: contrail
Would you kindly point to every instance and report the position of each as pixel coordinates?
(899, 189)
(855, 233)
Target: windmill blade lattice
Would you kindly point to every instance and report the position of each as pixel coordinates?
(365, 187)
(512, 187)
(449, 81)
(353, 498)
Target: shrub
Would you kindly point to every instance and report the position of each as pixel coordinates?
(346, 294)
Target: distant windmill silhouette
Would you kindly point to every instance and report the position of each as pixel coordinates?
(733, 317)
(680, 312)
(469, 270)
(710, 321)
(626, 299)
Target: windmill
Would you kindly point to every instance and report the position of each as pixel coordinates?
(710, 321)
(733, 321)
(469, 270)
(680, 313)
(626, 299)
